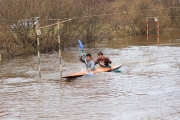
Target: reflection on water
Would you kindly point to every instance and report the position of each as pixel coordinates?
(170, 38)
(148, 86)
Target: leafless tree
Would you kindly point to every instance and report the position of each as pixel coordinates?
(91, 20)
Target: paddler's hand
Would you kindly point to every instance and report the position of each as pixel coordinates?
(81, 53)
(90, 73)
(112, 66)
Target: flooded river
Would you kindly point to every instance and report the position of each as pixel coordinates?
(148, 87)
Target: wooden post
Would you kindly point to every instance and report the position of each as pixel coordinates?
(39, 61)
(38, 32)
(147, 29)
(158, 30)
(0, 60)
(60, 66)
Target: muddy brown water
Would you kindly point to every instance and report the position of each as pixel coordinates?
(148, 87)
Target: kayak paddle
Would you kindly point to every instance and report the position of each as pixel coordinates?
(81, 45)
(82, 49)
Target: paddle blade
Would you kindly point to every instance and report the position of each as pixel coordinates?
(90, 74)
(80, 45)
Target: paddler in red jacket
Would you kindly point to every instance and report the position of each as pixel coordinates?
(103, 61)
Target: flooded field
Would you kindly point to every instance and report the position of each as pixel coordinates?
(148, 87)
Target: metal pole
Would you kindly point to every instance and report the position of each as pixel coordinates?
(158, 29)
(147, 29)
(0, 60)
(60, 66)
(38, 48)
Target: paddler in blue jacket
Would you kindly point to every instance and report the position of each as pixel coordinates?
(88, 61)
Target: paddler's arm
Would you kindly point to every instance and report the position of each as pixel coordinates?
(110, 62)
(112, 66)
(81, 58)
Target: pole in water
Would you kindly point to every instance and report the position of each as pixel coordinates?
(59, 41)
(158, 30)
(39, 62)
(147, 29)
(0, 61)
(38, 32)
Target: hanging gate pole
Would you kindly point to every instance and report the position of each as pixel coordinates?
(39, 62)
(0, 60)
(38, 32)
(147, 29)
(158, 30)
(60, 66)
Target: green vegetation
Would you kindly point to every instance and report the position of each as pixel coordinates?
(92, 20)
